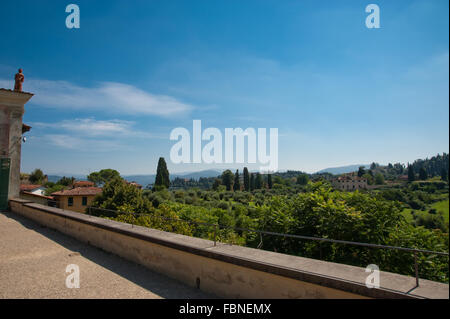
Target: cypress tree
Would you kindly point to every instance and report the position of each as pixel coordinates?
(162, 174)
(252, 182)
(411, 176)
(237, 183)
(269, 181)
(444, 174)
(246, 180)
(258, 181)
(423, 175)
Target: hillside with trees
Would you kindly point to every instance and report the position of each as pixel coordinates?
(302, 204)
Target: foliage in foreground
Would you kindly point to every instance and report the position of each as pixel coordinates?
(318, 212)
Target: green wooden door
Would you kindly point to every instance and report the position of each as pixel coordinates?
(4, 182)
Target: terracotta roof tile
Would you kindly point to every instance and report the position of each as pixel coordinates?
(27, 187)
(81, 191)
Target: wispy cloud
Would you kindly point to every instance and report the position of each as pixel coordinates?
(70, 142)
(92, 127)
(89, 134)
(106, 96)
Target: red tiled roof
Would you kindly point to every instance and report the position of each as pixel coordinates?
(81, 191)
(26, 187)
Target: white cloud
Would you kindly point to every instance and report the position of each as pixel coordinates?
(90, 134)
(92, 127)
(107, 96)
(69, 142)
(89, 126)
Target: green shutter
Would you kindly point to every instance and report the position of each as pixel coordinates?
(4, 182)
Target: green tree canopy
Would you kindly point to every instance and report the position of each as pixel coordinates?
(302, 179)
(66, 181)
(118, 195)
(37, 176)
(103, 176)
(227, 179)
(216, 184)
(379, 179)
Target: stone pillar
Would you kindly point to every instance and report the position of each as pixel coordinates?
(12, 107)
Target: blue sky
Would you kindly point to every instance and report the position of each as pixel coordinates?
(108, 94)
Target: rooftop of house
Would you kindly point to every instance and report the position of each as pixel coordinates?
(79, 191)
(28, 187)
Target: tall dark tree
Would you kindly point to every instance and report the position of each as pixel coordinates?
(444, 174)
(162, 174)
(252, 181)
(361, 171)
(237, 183)
(227, 179)
(269, 181)
(433, 165)
(258, 181)
(423, 175)
(246, 180)
(411, 174)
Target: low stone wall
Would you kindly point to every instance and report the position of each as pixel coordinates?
(225, 270)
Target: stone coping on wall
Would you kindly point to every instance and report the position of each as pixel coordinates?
(333, 275)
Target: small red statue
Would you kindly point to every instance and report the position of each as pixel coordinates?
(19, 80)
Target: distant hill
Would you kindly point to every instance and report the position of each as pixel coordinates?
(144, 180)
(55, 178)
(197, 175)
(342, 169)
